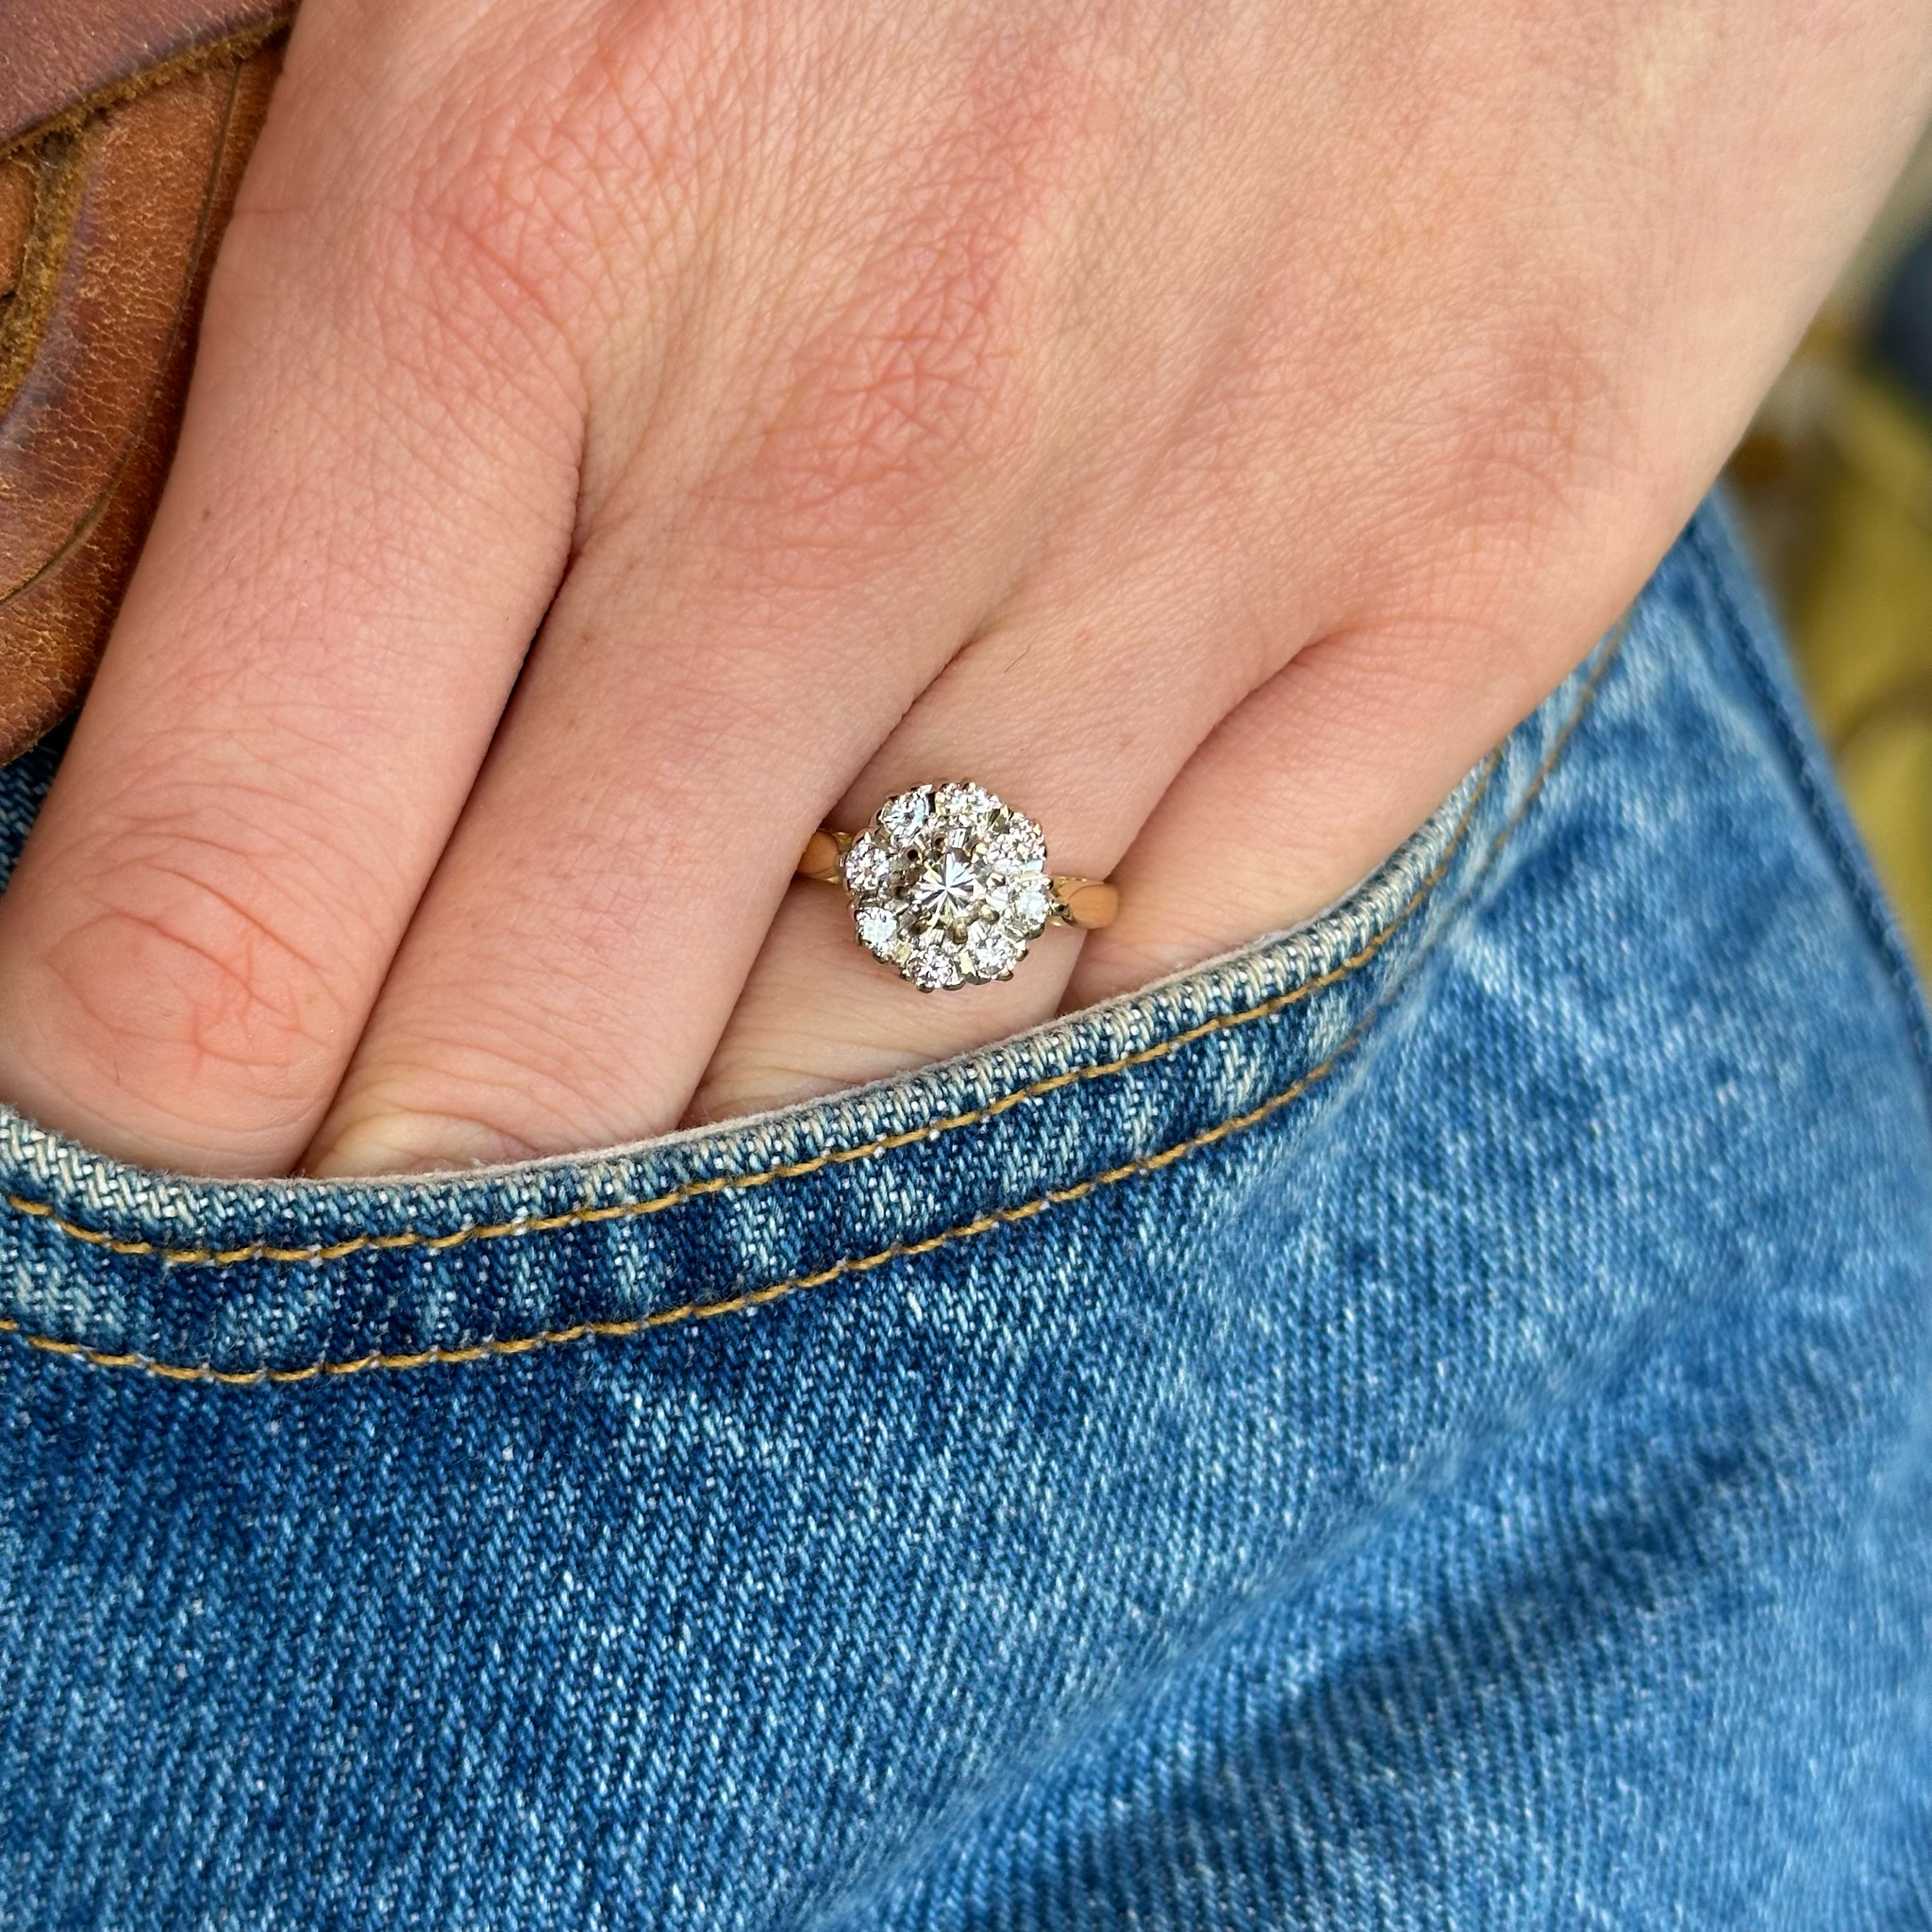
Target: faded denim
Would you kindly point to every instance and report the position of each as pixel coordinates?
(1425, 1423)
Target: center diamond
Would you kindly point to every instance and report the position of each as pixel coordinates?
(948, 885)
(947, 891)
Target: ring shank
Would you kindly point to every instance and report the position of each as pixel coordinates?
(1087, 903)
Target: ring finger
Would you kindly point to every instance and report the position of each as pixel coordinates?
(1076, 706)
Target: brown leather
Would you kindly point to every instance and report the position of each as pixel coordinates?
(123, 125)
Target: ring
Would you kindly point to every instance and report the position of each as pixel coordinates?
(949, 885)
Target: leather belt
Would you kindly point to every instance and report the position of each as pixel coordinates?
(124, 128)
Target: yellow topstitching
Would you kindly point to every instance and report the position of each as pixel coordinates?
(710, 1184)
(731, 1304)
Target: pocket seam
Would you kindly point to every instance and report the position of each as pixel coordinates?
(732, 1304)
(999, 1217)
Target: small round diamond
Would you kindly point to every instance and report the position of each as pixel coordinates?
(933, 967)
(878, 927)
(991, 952)
(1033, 903)
(965, 804)
(1021, 843)
(947, 886)
(868, 865)
(902, 818)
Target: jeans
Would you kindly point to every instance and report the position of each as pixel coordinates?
(1424, 1423)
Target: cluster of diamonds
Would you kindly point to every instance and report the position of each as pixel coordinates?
(948, 885)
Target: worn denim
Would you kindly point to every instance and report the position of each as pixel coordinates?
(1426, 1422)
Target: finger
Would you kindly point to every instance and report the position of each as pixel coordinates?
(837, 478)
(1297, 795)
(684, 724)
(1322, 772)
(1177, 730)
(365, 519)
(1077, 708)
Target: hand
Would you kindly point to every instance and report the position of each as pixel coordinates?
(1210, 426)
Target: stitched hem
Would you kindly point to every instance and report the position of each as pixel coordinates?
(731, 1304)
(626, 1326)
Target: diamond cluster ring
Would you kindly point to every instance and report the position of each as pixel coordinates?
(949, 885)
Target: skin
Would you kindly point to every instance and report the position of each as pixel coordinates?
(1211, 426)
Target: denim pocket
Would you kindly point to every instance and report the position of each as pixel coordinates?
(1418, 1422)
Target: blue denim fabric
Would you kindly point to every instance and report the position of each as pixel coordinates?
(1424, 1423)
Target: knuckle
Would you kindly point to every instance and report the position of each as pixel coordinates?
(1531, 428)
(574, 145)
(1517, 460)
(186, 993)
(890, 415)
(449, 317)
(503, 249)
(913, 386)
